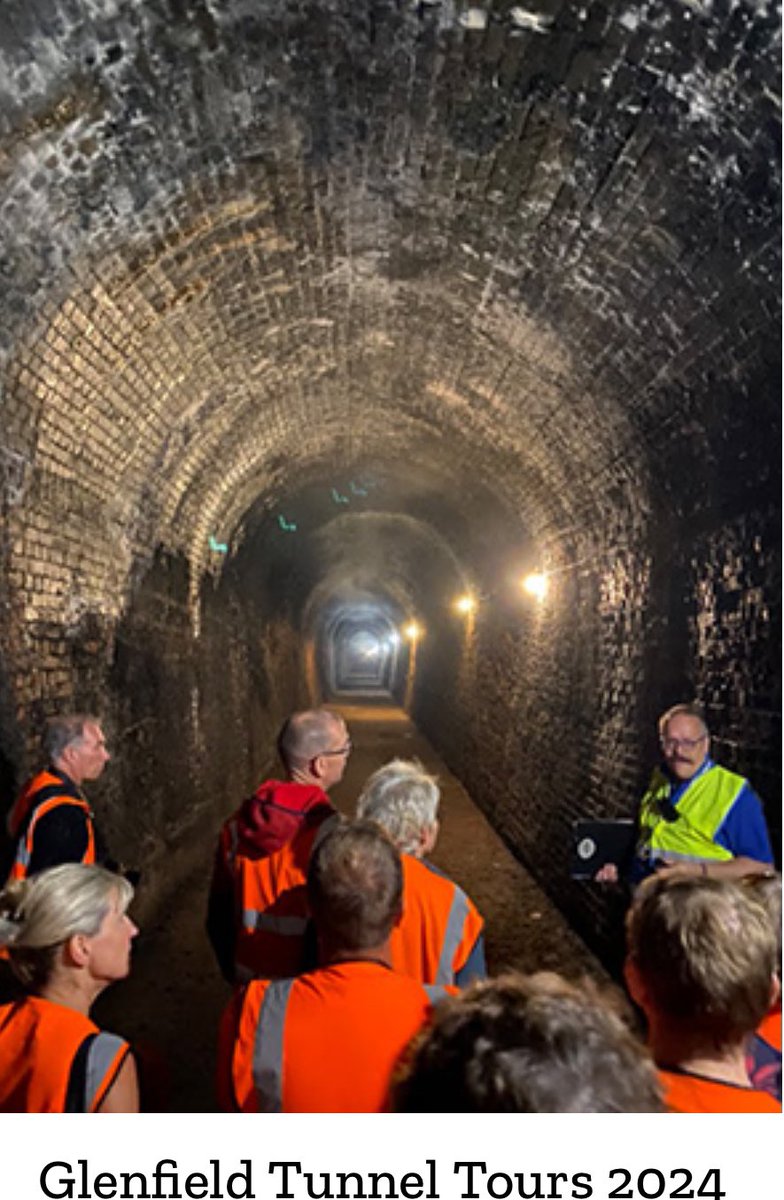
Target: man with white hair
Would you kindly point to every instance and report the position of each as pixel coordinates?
(440, 934)
(314, 747)
(439, 939)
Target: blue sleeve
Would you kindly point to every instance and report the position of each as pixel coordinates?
(474, 967)
(743, 831)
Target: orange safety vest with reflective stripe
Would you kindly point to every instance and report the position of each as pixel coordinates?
(439, 927)
(432, 942)
(40, 787)
(325, 1042)
(54, 1059)
(24, 850)
(688, 1093)
(273, 908)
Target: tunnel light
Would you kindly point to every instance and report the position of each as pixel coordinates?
(412, 631)
(465, 605)
(536, 584)
(393, 639)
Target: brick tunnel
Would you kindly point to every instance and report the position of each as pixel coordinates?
(319, 316)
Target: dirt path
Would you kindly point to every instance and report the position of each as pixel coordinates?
(171, 1005)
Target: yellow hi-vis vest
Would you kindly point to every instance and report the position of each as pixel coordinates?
(700, 811)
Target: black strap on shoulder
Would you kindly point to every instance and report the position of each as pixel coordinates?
(75, 1096)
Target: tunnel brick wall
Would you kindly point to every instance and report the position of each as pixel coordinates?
(526, 279)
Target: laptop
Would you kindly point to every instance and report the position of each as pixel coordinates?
(596, 842)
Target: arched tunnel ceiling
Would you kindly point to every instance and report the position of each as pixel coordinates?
(387, 537)
(239, 236)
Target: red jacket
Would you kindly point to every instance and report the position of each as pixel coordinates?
(263, 823)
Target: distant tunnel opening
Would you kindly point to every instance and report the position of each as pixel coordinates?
(301, 348)
(362, 655)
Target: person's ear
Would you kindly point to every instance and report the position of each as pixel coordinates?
(77, 950)
(634, 982)
(427, 839)
(775, 991)
(66, 756)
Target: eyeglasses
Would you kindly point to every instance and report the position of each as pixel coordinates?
(682, 743)
(344, 750)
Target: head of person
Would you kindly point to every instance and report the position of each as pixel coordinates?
(527, 1044)
(403, 799)
(355, 889)
(67, 918)
(701, 960)
(766, 890)
(684, 739)
(314, 746)
(76, 745)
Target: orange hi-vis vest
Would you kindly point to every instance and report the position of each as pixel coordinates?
(432, 942)
(43, 786)
(24, 850)
(325, 1042)
(439, 927)
(273, 908)
(54, 1059)
(688, 1093)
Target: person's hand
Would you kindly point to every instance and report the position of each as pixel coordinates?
(607, 874)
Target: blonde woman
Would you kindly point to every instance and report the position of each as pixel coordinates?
(68, 936)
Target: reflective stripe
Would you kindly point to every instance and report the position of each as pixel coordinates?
(252, 919)
(452, 935)
(101, 1055)
(23, 856)
(268, 1046)
(672, 856)
(699, 810)
(436, 992)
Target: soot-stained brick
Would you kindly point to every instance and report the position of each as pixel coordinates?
(523, 282)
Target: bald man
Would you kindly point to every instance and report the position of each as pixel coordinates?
(314, 746)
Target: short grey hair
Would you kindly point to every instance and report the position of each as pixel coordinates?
(305, 735)
(39, 914)
(403, 799)
(62, 732)
(693, 709)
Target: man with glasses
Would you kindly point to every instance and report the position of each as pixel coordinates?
(314, 747)
(696, 818)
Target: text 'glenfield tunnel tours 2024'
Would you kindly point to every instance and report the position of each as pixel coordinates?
(390, 549)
